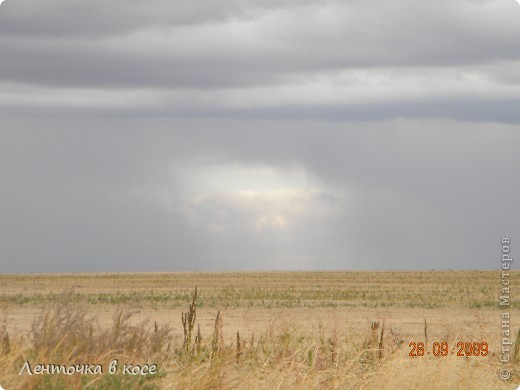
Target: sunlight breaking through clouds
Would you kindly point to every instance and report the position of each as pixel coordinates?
(256, 199)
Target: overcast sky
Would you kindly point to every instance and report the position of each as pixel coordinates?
(245, 135)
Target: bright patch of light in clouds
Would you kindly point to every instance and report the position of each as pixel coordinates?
(232, 178)
(258, 211)
(253, 198)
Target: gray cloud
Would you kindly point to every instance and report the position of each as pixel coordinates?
(412, 194)
(256, 135)
(226, 44)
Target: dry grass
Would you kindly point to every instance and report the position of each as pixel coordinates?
(205, 348)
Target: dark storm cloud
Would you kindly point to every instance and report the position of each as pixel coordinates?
(202, 45)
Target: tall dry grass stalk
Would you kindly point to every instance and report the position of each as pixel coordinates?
(239, 347)
(218, 340)
(188, 323)
(333, 345)
(6, 341)
(380, 345)
(425, 332)
(198, 341)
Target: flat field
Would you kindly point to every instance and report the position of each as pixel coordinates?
(308, 330)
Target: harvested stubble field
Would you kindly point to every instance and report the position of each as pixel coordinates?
(248, 330)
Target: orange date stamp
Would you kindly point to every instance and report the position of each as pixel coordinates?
(463, 348)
